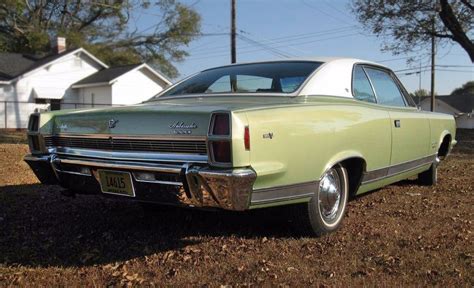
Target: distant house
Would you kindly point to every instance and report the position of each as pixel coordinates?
(69, 79)
(460, 106)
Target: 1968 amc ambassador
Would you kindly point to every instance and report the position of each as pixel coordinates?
(238, 137)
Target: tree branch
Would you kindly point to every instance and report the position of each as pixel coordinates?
(451, 22)
(469, 5)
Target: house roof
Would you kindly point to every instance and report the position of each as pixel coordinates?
(106, 76)
(461, 102)
(13, 65)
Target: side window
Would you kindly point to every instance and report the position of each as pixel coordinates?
(290, 84)
(385, 87)
(408, 98)
(361, 85)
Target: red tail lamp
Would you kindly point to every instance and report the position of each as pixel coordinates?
(247, 138)
(220, 147)
(221, 151)
(221, 125)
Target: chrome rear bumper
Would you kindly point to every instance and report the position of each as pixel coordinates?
(196, 185)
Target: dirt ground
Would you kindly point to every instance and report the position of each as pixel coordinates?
(402, 235)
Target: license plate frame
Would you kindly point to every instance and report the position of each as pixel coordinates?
(127, 176)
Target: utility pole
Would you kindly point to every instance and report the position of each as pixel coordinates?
(433, 53)
(233, 50)
(419, 84)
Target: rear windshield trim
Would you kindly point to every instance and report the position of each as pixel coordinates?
(318, 64)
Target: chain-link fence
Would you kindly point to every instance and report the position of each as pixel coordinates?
(15, 114)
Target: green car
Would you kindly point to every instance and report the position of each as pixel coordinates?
(247, 136)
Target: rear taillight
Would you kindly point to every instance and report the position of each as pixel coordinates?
(219, 138)
(33, 133)
(247, 138)
(221, 151)
(33, 123)
(220, 124)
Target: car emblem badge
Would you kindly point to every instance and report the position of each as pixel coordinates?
(113, 123)
(180, 127)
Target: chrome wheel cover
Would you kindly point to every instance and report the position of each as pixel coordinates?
(330, 194)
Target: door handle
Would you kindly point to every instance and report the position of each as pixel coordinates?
(396, 123)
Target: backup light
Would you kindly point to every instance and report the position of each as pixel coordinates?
(144, 176)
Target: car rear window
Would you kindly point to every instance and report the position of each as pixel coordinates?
(271, 77)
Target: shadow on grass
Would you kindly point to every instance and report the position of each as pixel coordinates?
(40, 227)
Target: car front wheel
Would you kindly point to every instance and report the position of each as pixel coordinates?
(325, 210)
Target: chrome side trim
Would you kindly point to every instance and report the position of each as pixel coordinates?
(132, 156)
(284, 193)
(386, 172)
(173, 137)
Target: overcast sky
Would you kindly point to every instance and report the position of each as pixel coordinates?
(277, 29)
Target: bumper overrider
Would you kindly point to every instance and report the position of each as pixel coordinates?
(190, 184)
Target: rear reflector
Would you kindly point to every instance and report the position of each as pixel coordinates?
(221, 151)
(247, 138)
(220, 124)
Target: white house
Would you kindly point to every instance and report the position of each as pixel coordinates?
(69, 79)
(460, 106)
(122, 85)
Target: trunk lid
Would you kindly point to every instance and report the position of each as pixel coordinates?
(177, 117)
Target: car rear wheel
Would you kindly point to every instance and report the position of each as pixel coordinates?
(325, 210)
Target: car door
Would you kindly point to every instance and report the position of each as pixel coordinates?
(410, 128)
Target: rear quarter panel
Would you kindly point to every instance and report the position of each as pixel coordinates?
(309, 138)
(440, 125)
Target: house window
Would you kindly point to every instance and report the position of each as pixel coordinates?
(55, 104)
(40, 101)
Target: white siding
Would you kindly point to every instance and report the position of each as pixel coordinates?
(134, 87)
(465, 121)
(55, 79)
(92, 97)
(440, 107)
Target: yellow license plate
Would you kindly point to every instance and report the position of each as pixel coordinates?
(116, 182)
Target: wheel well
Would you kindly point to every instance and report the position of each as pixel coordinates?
(444, 148)
(355, 168)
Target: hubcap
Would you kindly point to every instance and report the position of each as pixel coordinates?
(330, 195)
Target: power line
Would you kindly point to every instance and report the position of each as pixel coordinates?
(289, 38)
(426, 70)
(211, 55)
(444, 66)
(283, 45)
(265, 47)
(325, 13)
